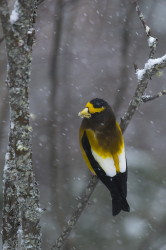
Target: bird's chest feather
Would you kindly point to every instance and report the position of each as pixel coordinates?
(108, 150)
(106, 143)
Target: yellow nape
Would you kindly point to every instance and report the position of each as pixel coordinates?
(92, 109)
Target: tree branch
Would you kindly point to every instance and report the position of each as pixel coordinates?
(147, 98)
(82, 202)
(143, 76)
(152, 41)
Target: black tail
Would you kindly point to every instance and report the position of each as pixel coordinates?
(119, 204)
(118, 189)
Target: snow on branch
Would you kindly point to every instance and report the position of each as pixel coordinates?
(147, 98)
(152, 66)
(15, 13)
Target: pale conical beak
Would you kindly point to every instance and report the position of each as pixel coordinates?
(84, 113)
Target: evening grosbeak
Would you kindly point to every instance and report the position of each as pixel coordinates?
(103, 150)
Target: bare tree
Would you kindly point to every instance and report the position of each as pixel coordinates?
(21, 211)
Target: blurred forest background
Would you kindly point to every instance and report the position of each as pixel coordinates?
(86, 49)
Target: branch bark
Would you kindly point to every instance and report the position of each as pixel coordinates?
(147, 98)
(152, 66)
(143, 76)
(21, 211)
(82, 202)
(152, 41)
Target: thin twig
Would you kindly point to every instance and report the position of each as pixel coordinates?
(147, 98)
(82, 202)
(143, 75)
(152, 41)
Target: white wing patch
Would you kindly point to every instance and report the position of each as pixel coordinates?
(122, 161)
(107, 164)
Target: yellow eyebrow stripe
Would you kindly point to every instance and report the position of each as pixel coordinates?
(92, 109)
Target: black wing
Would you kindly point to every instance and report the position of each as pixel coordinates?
(117, 185)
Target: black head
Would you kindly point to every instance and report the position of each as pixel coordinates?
(94, 107)
(98, 103)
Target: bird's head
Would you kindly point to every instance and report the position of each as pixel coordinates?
(94, 107)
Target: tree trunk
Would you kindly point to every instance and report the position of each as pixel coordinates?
(21, 212)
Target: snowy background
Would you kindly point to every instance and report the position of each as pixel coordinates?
(86, 49)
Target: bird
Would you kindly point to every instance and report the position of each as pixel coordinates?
(102, 145)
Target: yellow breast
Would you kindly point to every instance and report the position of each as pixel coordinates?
(107, 149)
